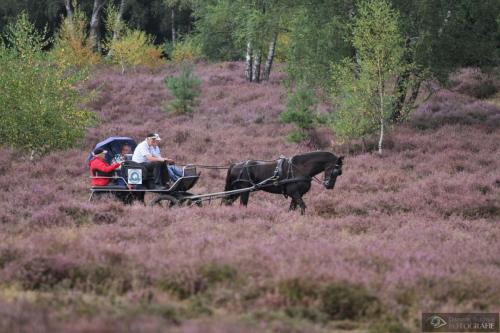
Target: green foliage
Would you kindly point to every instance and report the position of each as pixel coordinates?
(215, 273)
(44, 116)
(360, 89)
(72, 45)
(134, 48)
(187, 49)
(316, 38)
(300, 111)
(355, 113)
(185, 88)
(24, 40)
(344, 301)
(215, 26)
(447, 35)
(298, 291)
(129, 47)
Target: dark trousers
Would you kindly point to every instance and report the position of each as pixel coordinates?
(157, 171)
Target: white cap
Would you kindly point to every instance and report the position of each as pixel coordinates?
(155, 136)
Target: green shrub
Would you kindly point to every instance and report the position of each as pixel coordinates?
(300, 112)
(214, 273)
(129, 47)
(45, 116)
(133, 49)
(72, 45)
(345, 301)
(185, 88)
(188, 49)
(296, 291)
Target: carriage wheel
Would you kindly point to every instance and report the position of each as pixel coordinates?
(165, 200)
(190, 202)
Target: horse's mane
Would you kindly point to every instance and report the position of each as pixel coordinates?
(301, 157)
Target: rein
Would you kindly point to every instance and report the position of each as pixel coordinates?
(292, 166)
(276, 182)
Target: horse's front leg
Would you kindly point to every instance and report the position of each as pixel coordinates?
(297, 197)
(293, 205)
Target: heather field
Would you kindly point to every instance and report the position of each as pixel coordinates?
(416, 230)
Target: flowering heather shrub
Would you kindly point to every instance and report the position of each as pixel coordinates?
(473, 82)
(415, 230)
(447, 107)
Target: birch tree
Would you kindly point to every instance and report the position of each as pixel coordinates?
(258, 23)
(364, 100)
(69, 11)
(175, 6)
(95, 24)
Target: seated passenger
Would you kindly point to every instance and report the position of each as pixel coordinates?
(122, 156)
(98, 166)
(148, 154)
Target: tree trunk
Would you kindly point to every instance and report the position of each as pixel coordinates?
(69, 10)
(400, 89)
(382, 116)
(415, 88)
(270, 58)
(256, 66)
(381, 138)
(95, 24)
(174, 32)
(401, 86)
(248, 62)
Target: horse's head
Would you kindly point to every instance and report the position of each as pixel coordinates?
(332, 171)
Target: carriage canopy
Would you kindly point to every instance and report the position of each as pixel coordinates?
(113, 145)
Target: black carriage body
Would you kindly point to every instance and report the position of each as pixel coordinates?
(128, 190)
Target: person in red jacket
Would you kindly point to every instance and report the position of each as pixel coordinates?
(98, 167)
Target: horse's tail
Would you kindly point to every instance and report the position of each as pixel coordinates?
(228, 200)
(227, 187)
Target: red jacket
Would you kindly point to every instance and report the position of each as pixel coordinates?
(97, 164)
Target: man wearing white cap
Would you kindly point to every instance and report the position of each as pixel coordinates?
(148, 153)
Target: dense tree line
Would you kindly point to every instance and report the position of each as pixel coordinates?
(152, 16)
(368, 58)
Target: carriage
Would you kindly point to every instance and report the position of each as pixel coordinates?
(131, 181)
(290, 177)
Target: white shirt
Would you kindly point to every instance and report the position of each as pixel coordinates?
(144, 149)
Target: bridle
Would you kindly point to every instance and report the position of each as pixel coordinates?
(336, 171)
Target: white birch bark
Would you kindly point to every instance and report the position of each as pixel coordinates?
(69, 10)
(270, 58)
(95, 24)
(382, 116)
(174, 32)
(248, 62)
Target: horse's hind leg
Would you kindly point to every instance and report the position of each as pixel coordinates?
(229, 200)
(302, 205)
(293, 205)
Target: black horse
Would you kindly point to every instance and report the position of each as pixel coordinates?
(290, 177)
